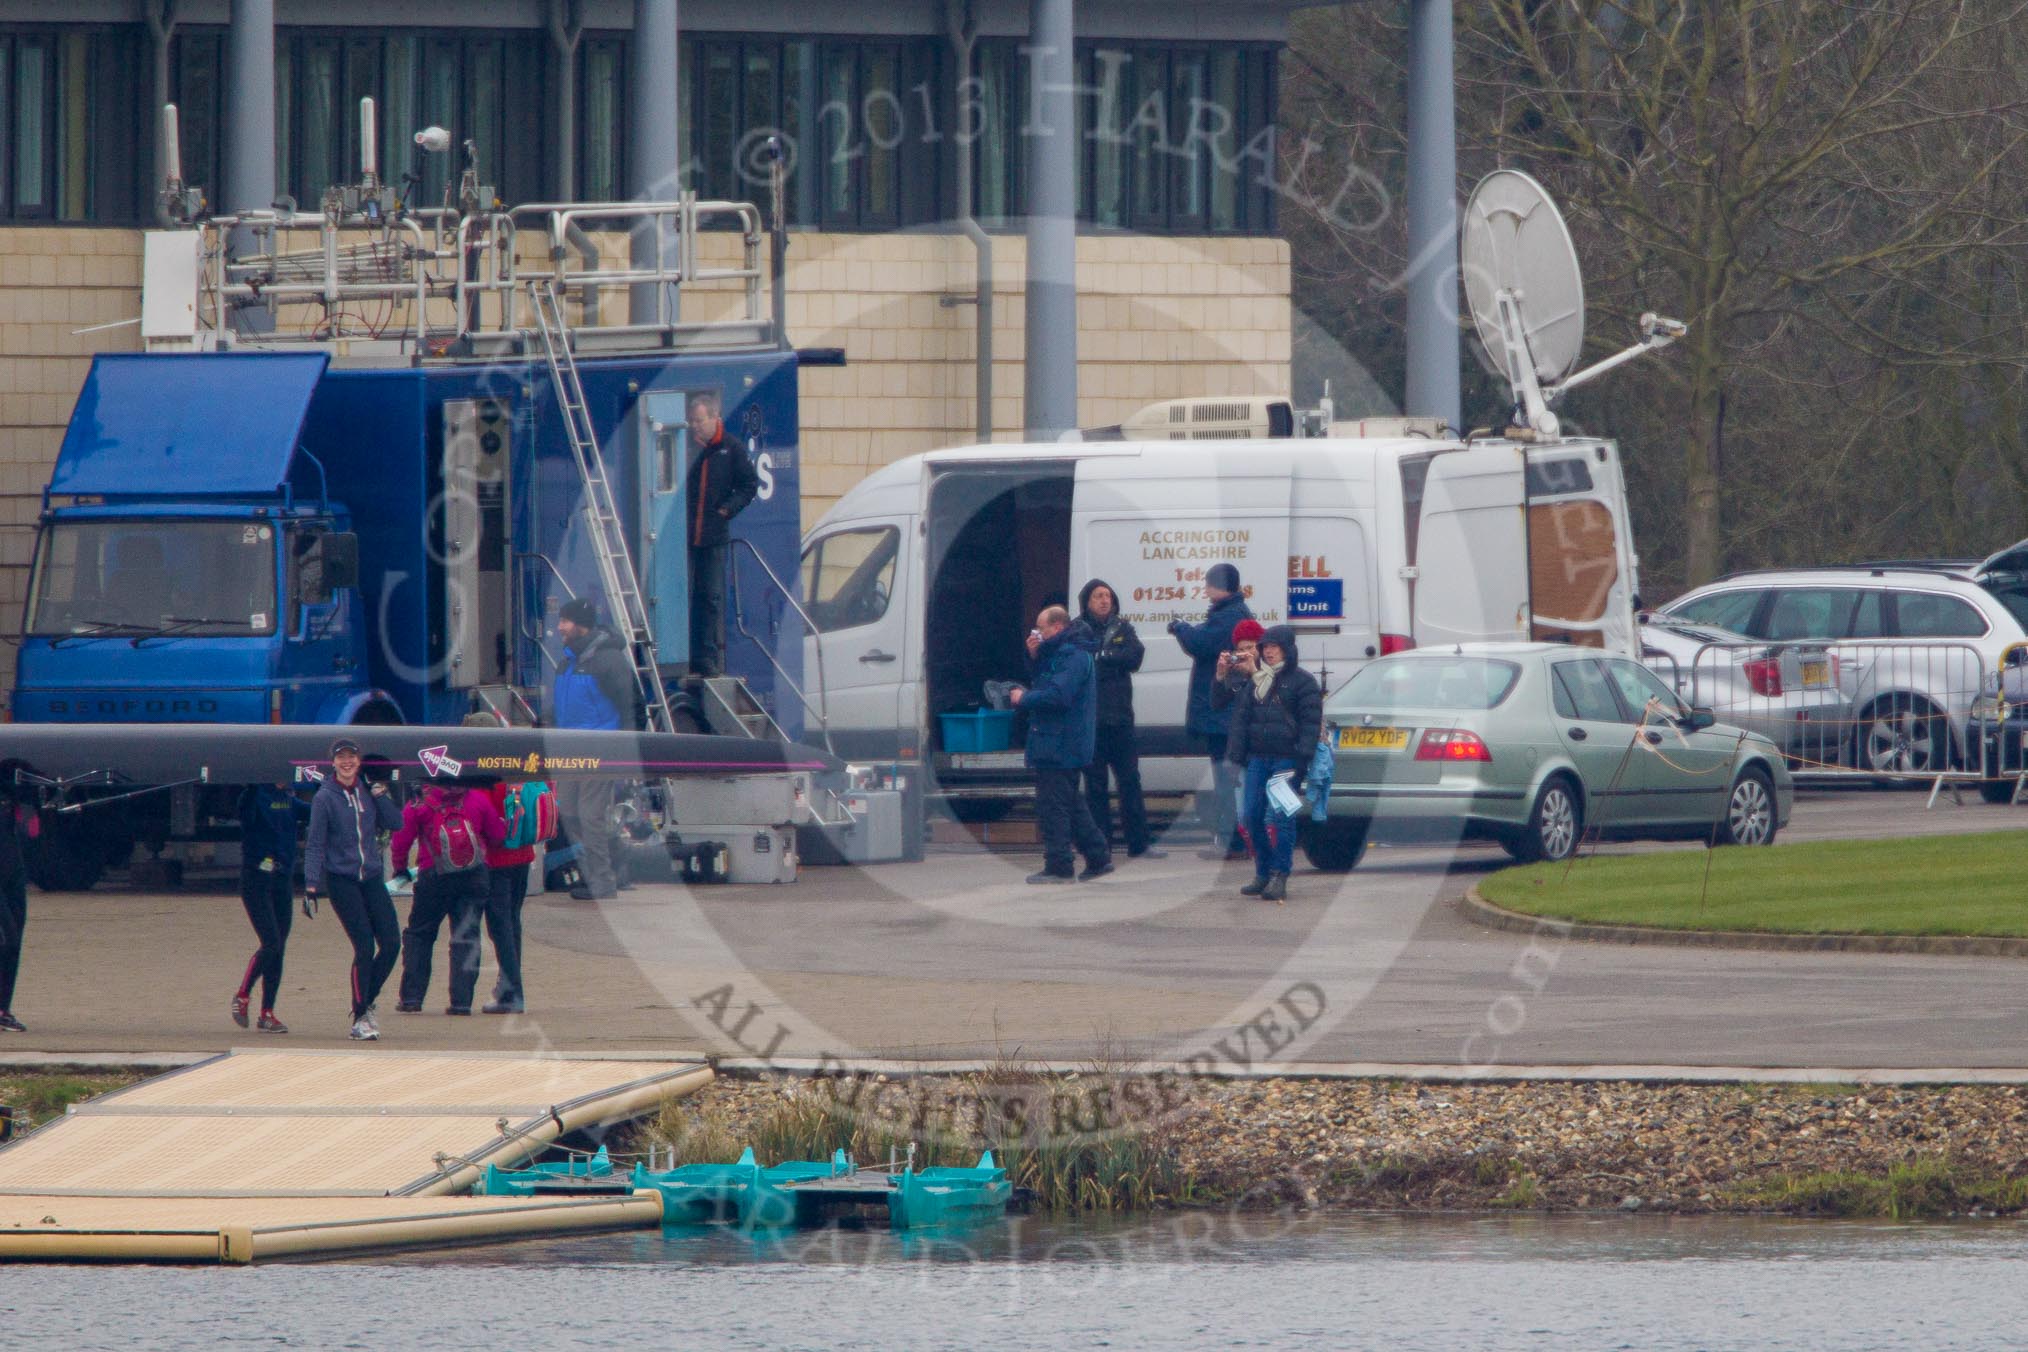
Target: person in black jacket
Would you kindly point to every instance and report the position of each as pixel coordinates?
(1118, 657)
(269, 817)
(722, 483)
(1206, 718)
(1276, 723)
(16, 819)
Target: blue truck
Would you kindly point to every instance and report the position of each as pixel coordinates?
(272, 532)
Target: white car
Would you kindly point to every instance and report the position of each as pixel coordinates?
(1914, 643)
(1786, 692)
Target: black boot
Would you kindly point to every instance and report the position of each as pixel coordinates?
(1256, 887)
(1277, 888)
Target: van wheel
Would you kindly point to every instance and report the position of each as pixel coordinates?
(1334, 846)
(1555, 824)
(1749, 811)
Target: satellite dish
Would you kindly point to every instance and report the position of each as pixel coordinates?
(1515, 246)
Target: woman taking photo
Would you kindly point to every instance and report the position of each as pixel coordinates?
(342, 856)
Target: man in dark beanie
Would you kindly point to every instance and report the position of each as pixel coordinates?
(594, 689)
(1205, 643)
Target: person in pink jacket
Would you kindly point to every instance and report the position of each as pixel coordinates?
(450, 831)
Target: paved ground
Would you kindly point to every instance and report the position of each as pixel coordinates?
(956, 959)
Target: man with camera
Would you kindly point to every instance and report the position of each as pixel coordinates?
(1206, 643)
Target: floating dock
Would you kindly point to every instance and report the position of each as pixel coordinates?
(259, 1154)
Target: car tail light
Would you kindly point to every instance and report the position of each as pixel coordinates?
(1452, 744)
(1390, 644)
(1764, 674)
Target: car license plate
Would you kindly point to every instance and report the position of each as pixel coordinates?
(1817, 673)
(1372, 739)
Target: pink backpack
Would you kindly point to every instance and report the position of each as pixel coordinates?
(456, 844)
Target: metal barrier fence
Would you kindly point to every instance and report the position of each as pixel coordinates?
(1859, 709)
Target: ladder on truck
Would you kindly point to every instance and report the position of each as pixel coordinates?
(609, 538)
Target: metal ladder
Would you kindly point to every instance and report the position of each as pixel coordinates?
(616, 565)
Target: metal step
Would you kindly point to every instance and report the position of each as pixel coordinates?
(731, 710)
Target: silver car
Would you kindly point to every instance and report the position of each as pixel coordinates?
(1787, 692)
(1537, 746)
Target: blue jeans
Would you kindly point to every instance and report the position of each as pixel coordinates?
(1271, 834)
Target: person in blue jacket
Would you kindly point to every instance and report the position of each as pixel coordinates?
(1062, 708)
(269, 817)
(1205, 643)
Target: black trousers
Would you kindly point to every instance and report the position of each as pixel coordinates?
(271, 907)
(507, 890)
(1067, 827)
(1117, 754)
(460, 898)
(367, 913)
(13, 929)
(707, 609)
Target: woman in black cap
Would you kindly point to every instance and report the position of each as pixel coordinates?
(342, 855)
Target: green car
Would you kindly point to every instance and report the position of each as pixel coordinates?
(1540, 747)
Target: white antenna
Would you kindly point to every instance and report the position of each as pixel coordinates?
(172, 149)
(1525, 288)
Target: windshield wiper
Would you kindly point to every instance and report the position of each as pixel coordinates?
(179, 623)
(93, 629)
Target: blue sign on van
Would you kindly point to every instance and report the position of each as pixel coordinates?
(1316, 598)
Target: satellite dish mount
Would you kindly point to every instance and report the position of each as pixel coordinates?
(1525, 288)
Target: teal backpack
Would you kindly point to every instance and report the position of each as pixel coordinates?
(530, 811)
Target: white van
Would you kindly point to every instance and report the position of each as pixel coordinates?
(924, 579)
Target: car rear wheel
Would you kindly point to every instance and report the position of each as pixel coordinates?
(1903, 734)
(1334, 846)
(1554, 825)
(1749, 811)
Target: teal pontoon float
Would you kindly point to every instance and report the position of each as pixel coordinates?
(806, 1192)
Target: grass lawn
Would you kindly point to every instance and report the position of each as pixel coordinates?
(1974, 884)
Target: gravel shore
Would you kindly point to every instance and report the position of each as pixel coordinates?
(1392, 1145)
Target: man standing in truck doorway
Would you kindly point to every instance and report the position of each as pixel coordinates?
(595, 690)
(722, 483)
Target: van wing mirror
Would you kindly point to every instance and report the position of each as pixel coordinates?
(328, 566)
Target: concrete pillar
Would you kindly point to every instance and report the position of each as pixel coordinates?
(653, 149)
(1050, 134)
(1433, 334)
(250, 108)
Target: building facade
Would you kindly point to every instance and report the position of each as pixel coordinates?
(899, 123)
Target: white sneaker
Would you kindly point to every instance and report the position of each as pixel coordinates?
(364, 1031)
(372, 1023)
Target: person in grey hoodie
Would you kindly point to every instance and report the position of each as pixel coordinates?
(341, 857)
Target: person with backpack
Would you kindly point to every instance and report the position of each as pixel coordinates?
(450, 831)
(1277, 721)
(269, 817)
(529, 813)
(342, 855)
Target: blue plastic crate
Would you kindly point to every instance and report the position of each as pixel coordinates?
(979, 730)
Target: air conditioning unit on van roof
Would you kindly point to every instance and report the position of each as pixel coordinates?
(1223, 419)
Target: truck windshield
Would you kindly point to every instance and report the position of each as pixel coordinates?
(153, 576)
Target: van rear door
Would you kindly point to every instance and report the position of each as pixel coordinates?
(1581, 563)
(1468, 536)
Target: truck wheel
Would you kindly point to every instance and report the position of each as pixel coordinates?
(64, 858)
(979, 809)
(1334, 846)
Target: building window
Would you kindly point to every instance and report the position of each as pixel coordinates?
(67, 113)
(601, 118)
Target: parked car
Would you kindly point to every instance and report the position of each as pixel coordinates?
(1533, 745)
(1786, 692)
(1914, 644)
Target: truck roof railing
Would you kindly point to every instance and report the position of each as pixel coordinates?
(439, 284)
